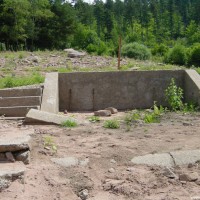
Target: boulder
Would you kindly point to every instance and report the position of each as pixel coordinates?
(112, 110)
(74, 54)
(103, 113)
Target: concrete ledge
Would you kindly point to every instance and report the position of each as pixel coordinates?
(42, 117)
(192, 86)
(16, 111)
(50, 99)
(20, 101)
(16, 92)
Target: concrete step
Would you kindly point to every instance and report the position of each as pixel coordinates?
(16, 92)
(16, 111)
(20, 101)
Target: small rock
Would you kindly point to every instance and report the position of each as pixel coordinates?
(23, 156)
(103, 113)
(187, 124)
(169, 173)
(111, 170)
(190, 165)
(10, 156)
(36, 59)
(65, 112)
(84, 194)
(189, 177)
(112, 110)
(113, 161)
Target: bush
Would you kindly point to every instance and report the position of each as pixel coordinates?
(194, 58)
(69, 123)
(112, 124)
(137, 51)
(177, 55)
(160, 49)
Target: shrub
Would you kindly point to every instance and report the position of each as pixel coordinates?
(195, 56)
(177, 55)
(112, 124)
(160, 49)
(69, 123)
(137, 51)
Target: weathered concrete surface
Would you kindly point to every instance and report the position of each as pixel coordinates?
(50, 99)
(16, 111)
(70, 161)
(89, 91)
(192, 86)
(185, 157)
(154, 159)
(15, 140)
(17, 92)
(20, 101)
(11, 170)
(41, 117)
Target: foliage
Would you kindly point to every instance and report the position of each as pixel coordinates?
(69, 124)
(111, 124)
(160, 49)
(177, 55)
(49, 143)
(174, 96)
(194, 58)
(94, 119)
(137, 51)
(9, 81)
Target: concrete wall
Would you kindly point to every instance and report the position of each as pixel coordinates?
(50, 98)
(87, 91)
(192, 86)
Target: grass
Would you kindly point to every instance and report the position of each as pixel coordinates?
(111, 124)
(94, 119)
(10, 81)
(49, 143)
(69, 124)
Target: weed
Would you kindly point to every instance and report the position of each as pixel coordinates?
(111, 124)
(94, 119)
(174, 96)
(69, 123)
(151, 118)
(49, 143)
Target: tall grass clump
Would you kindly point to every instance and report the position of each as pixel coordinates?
(136, 50)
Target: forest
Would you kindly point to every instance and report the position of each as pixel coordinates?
(162, 28)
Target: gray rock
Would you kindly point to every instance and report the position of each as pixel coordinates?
(23, 156)
(154, 159)
(102, 113)
(169, 173)
(71, 53)
(84, 194)
(189, 177)
(111, 170)
(10, 156)
(4, 184)
(36, 59)
(112, 110)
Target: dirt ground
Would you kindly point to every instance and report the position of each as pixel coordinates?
(109, 175)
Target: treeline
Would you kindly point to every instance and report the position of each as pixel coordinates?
(96, 27)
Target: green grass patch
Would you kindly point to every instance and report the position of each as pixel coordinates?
(111, 124)
(69, 124)
(94, 119)
(10, 82)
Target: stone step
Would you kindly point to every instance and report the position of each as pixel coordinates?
(20, 101)
(17, 92)
(16, 111)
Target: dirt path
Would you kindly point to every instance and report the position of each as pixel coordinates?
(109, 175)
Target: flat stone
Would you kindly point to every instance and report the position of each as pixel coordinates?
(163, 159)
(15, 140)
(11, 171)
(112, 110)
(70, 161)
(186, 157)
(42, 117)
(103, 113)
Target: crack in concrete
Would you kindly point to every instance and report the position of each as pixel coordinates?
(174, 163)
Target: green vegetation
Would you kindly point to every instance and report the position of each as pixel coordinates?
(9, 81)
(49, 143)
(137, 51)
(94, 119)
(69, 124)
(111, 124)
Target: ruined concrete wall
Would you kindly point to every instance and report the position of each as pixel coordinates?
(87, 91)
(192, 86)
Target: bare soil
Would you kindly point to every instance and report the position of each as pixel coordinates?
(109, 174)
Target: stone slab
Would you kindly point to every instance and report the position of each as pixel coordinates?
(15, 140)
(41, 117)
(163, 159)
(50, 98)
(70, 161)
(16, 92)
(11, 170)
(20, 101)
(186, 157)
(16, 111)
